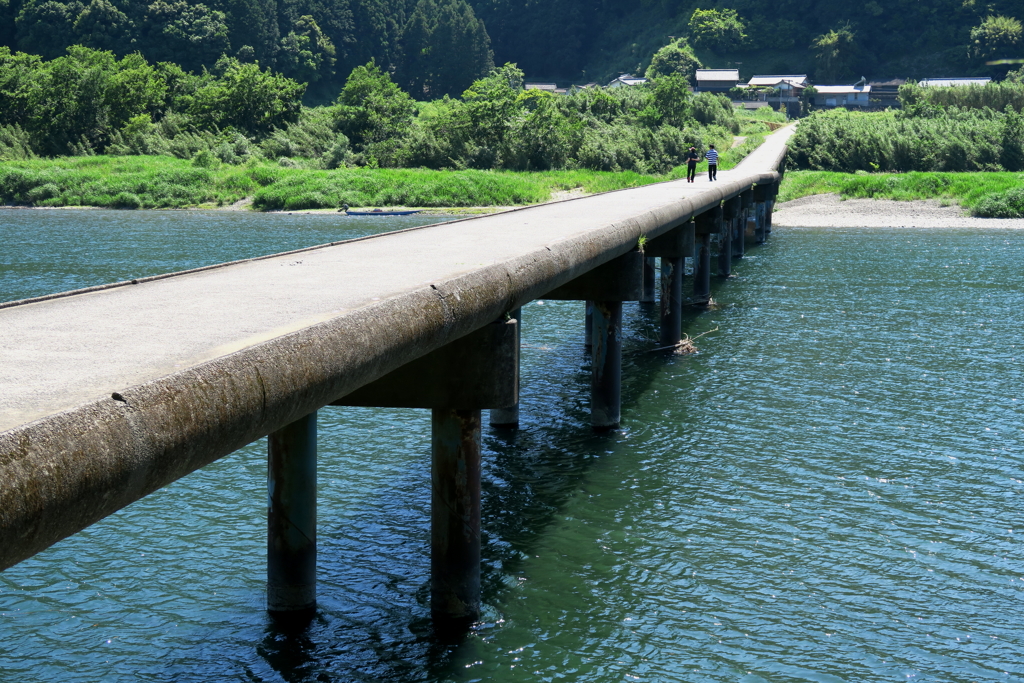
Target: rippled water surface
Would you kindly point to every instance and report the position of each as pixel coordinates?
(831, 490)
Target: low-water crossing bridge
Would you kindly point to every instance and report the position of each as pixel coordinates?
(110, 393)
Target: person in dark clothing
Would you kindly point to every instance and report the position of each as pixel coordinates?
(712, 157)
(691, 165)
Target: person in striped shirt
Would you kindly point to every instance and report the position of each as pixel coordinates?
(712, 156)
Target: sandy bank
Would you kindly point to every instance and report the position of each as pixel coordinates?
(829, 211)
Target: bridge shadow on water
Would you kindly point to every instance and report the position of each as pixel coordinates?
(373, 620)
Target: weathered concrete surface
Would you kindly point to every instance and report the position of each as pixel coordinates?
(108, 395)
(479, 370)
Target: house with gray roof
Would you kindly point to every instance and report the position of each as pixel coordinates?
(717, 80)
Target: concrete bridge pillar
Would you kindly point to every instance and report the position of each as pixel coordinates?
(508, 418)
(455, 518)
(760, 197)
(650, 272)
(706, 224)
(588, 325)
(291, 520)
(478, 371)
(746, 202)
(727, 237)
(606, 287)
(773, 191)
(673, 247)
(606, 367)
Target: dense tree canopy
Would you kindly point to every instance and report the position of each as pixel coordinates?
(677, 59)
(437, 31)
(314, 41)
(836, 54)
(719, 30)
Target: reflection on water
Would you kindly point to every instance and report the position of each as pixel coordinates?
(829, 491)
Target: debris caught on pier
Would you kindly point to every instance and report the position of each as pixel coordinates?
(685, 346)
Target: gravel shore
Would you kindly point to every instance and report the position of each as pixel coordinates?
(829, 211)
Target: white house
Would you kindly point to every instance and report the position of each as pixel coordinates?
(842, 95)
(775, 81)
(717, 80)
(626, 79)
(947, 82)
(786, 88)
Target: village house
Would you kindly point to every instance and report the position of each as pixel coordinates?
(626, 79)
(858, 95)
(545, 87)
(886, 93)
(717, 80)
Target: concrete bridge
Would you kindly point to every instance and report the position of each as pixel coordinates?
(110, 393)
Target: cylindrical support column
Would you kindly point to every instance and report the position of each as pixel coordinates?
(650, 278)
(508, 418)
(739, 247)
(759, 231)
(773, 191)
(606, 375)
(702, 269)
(588, 324)
(455, 518)
(291, 519)
(671, 300)
(725, 249)
(727, 236)
(761, 195)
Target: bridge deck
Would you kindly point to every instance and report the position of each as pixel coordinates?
(206, 361)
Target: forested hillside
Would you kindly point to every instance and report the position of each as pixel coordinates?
(435, 47)
(829, 39)
(438, 47)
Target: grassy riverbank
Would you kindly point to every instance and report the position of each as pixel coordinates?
(987, 195)
(162, 182)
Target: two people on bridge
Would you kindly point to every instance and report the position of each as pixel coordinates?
(693, 158)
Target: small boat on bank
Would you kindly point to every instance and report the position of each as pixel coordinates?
(377, 212)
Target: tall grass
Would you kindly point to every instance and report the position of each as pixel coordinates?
(954, 140)
(998, 96)
(155, 182)
(988, 195)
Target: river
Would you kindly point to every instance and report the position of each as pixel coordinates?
(830, 490)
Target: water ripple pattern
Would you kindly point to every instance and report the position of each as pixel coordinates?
(830, 490)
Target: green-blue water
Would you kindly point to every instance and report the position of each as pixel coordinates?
(831, 490)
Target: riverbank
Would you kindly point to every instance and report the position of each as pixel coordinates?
(981, 194)
(161, 182)
(832, 211)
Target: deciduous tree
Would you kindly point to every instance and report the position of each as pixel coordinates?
(718, 30)
(676, 58)
(835, 53)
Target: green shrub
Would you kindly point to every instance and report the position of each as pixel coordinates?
(1009, 204)
(126, 200)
